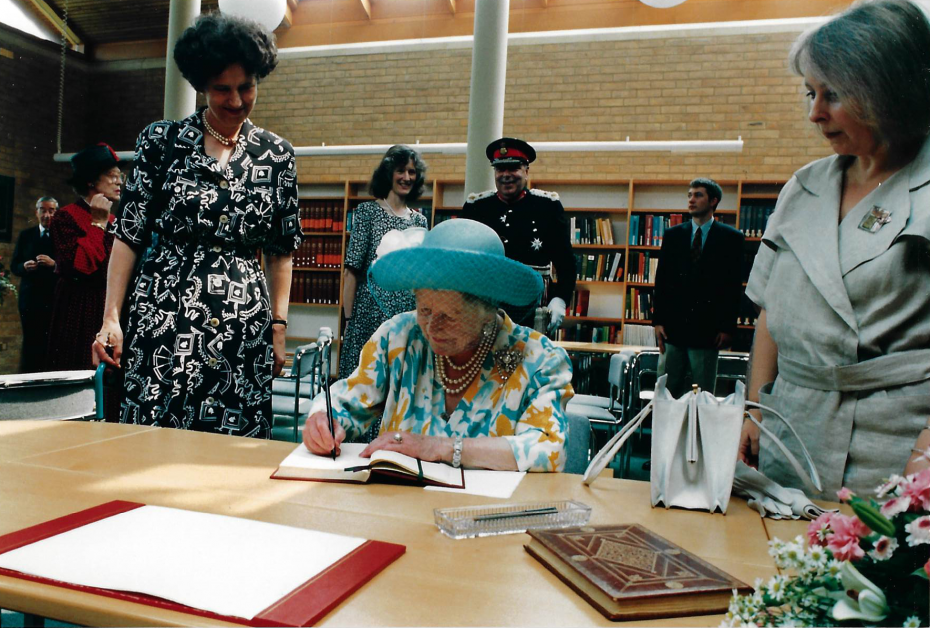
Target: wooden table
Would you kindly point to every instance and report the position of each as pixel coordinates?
(50, 469)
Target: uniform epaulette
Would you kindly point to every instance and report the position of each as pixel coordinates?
(552, 196)
(477, 196)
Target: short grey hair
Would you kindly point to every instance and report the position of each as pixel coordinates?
(876, 57)
(45, 199)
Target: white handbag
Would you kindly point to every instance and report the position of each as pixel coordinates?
(695, 442)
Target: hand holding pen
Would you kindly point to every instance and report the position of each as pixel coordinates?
(325, 341)
(318, 438)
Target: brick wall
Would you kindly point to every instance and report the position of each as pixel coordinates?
(28, 127)
(687, 88)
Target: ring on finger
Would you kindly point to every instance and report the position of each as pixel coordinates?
(398, 437)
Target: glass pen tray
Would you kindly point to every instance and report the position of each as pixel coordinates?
(471, 521)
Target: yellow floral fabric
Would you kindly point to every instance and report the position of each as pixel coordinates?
(396, 380)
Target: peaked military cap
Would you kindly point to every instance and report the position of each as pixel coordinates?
(509, 151)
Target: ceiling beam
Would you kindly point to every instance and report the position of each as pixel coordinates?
(366, 4)
(56, 21)
(452, 6)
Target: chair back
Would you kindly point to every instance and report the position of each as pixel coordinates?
(577, 444)
(730, 369)
(52, 396)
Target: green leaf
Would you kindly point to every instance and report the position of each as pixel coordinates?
(919, 572)
(873, 518)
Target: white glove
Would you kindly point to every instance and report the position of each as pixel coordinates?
(556, 309)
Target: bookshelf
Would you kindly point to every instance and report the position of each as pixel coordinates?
(607, 216)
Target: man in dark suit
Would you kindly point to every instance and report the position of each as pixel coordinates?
(32, 260)
(697, 293)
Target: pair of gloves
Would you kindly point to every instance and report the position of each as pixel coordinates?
(556, 309)
(771, 499)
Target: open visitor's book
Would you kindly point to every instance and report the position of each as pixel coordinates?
(349, 466)
(630, 573)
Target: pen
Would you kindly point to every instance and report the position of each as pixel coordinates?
(548, 510)
(325, 340)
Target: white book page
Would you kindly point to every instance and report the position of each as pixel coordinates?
(500, 484)
(348, 457)
(226, 565)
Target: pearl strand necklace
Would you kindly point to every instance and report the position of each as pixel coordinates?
(454, 386)
(222, 139)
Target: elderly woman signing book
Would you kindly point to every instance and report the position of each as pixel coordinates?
(456, 380)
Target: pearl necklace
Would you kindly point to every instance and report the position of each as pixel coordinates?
(456, 385)
(405, 213)
(222, 139)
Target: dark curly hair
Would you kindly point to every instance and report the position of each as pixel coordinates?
(397, 156)
(215, 41)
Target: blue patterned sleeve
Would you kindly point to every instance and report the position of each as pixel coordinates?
(135, 202)
(286, 232)
(357, 253)
(538, 441)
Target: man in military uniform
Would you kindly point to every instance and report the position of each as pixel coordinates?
(531, 223)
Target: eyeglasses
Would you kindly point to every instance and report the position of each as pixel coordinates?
(121, 177)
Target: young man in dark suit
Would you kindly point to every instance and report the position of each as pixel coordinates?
(33, 261)
(697, 292)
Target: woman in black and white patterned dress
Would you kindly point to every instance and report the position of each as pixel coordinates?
(205, 333)
(396, 183)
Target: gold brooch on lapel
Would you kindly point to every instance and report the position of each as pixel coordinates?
(875, 219)
(507, 361)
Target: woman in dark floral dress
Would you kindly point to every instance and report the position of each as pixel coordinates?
(205, 334)
(396, 183)
(82, 252)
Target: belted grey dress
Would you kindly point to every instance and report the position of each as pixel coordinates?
(849, 310)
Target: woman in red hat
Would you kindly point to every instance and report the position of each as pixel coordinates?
(82, 252)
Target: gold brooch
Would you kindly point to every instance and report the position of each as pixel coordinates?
(503, 150)
(507, 361)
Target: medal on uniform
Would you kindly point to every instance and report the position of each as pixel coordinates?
(875, 219)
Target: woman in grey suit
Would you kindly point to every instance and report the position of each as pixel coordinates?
(842, 343)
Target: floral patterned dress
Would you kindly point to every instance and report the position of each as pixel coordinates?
(396, 382)
(369, 225)
(197, 347)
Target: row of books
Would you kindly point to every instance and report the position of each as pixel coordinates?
(642, 335)
(314, 288)
(319, 252)
(599, 266)
(753, 219)
(321, 216)
(649, 229)
(639, 304)
(591, 230)
(642, 267)
(579, 304)
(587, 333)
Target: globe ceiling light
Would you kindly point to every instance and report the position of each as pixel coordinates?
(662, 4)
(268, 13)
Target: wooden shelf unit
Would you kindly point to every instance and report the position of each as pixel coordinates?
(615, 200)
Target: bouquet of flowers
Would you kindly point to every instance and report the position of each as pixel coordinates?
(867, 569)
(6, 284)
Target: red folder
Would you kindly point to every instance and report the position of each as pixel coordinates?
(304, 606)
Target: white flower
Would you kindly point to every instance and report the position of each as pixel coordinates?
(791, 555)
(776, 587)
(870, 604)
(395, 240)
(834, 567)
(884, 548)
(816, 557)
(890, 485)
(912, 622)
(918, 531)
(895, 506)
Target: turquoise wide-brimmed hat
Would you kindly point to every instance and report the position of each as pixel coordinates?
(461, 255)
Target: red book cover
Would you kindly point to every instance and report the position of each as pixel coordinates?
(583, 296)
(304, 606)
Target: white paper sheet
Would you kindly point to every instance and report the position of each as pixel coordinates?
(216, 563)
(500, 484)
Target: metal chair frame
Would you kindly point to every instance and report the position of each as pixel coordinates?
(308, 361)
